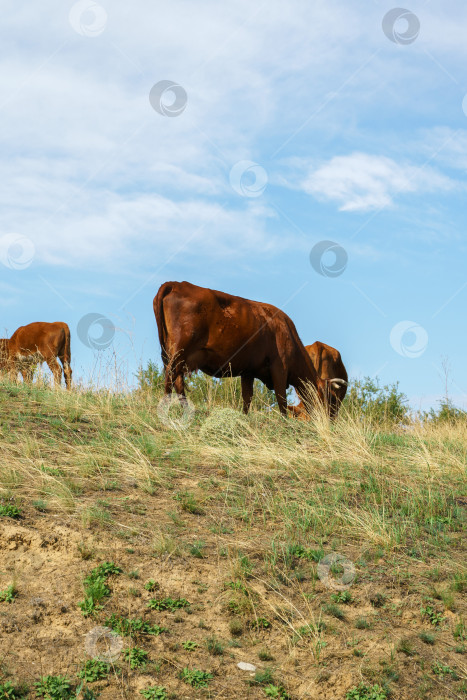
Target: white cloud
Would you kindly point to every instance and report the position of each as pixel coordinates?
(364, 182)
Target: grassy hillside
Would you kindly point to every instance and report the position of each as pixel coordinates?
(201, 547)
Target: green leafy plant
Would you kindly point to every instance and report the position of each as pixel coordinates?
(190, 645)
(195, 677)
(127, 626)
(440, 669)
(8, 510)
(366, 692)
(94, 670)
(9, 692)
(276, 691)
(9, 594)
(137, 658)
(155, 692)
(85, 693)
(344, 597)
(168, 603)
(95, 587)
(54, 688)
(151, 585)
(435, 617)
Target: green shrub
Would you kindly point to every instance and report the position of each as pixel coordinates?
(380, 403)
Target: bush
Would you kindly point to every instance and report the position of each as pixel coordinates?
(380, 403)
(446, 413)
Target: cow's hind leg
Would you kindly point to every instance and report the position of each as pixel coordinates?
(247, 392)
(66, 370)
(56, 370)
(65, 359)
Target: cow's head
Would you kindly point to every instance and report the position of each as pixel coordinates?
(335, 390)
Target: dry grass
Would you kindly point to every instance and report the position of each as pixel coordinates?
(234, 514)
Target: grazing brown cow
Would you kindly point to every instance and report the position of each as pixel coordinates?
(34, 344)
(225, 335)
(328, 364)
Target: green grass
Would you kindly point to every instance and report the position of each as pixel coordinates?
(220, 527)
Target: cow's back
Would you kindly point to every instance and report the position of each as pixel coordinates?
(39, 336)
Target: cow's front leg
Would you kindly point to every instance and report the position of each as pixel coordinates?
(247, 392)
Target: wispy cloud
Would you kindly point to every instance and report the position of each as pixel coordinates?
(364, 182)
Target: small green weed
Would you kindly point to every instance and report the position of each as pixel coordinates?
(167, 603)
(195, 677)
(9, 594)
(137, 658)
(94, 670)
(54, 688)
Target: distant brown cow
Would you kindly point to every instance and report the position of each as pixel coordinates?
(225, 335)
(34, 344)
(328, 364)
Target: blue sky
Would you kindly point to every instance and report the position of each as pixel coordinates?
(303, 122)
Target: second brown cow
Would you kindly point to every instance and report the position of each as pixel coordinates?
(34, 344)
(328, 364)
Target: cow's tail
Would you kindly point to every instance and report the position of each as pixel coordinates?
(164, 290)
(66, 345)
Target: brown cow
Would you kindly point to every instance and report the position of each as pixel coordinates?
(225, 335)
(36, 343)
(328, 364)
